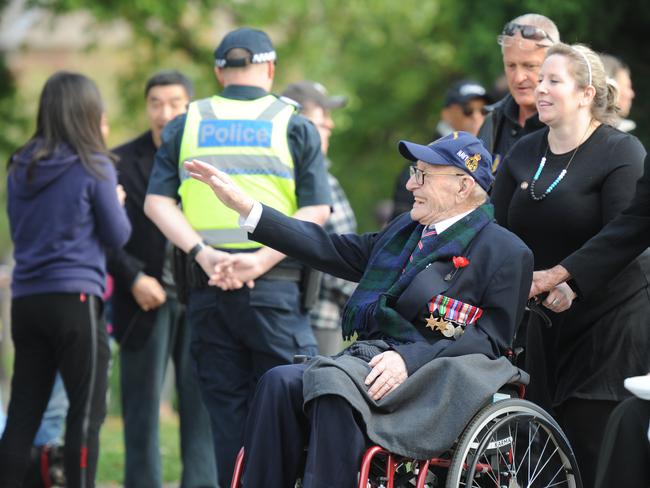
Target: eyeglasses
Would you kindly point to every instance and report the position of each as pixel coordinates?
(529, 32)
(469, 110)
(418, 174)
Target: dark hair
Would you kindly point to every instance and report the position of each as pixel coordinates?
(70, 110)
(169, 77)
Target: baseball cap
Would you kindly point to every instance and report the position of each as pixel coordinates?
(463, 91)
(313, 92)
(459, 149)
(256, 42)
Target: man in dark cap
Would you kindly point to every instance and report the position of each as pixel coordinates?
(238, 332)
(441, 291)
(463, 110)
(316, 104)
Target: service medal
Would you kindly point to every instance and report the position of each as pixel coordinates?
(458, 331)
(448, 329)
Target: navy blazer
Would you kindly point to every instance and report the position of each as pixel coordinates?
(497, 280)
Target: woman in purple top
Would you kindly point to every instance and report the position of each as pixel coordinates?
(64, 211)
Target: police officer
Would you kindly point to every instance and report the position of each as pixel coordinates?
(239, 333)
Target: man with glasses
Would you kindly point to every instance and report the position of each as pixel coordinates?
(440, 292)
(463, 110)
(316, 105)
(523, 42)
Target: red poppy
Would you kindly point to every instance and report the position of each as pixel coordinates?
(460, 261)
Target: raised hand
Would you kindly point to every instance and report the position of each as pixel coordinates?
(222, 186)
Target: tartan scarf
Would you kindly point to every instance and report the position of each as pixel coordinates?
(369, 309)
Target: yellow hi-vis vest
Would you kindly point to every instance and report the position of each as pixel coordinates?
(248, 140)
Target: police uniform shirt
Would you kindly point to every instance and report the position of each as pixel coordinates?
(312, 187)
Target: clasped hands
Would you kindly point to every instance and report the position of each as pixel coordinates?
(230, 271)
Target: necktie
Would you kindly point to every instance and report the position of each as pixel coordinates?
(424, 246)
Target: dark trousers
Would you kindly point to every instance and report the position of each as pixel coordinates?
(278, 430)
(142, 374)
(583, 422)
(625, 452)
(53, 332)
(236, 337)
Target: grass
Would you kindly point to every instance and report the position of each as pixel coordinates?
(110, 469)
(111, 455)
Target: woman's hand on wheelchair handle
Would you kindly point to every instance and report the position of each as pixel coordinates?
(559, 298)
(388, 372)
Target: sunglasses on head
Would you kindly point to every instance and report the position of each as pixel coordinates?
(529, 32)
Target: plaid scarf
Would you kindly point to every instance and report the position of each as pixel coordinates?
(369, 309)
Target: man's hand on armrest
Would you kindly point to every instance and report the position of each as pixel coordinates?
(548, 279)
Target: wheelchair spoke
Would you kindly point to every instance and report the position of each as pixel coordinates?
(513, 444)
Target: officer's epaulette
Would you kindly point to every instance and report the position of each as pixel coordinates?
(290, 101)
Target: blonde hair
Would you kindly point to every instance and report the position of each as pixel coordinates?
(587, 69)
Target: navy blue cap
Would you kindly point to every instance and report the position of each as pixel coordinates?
(256, 42)
(459, 149)
(463, 91)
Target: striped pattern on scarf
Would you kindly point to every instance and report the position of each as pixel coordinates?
(370, 307)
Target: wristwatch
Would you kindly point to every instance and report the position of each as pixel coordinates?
(195, 250)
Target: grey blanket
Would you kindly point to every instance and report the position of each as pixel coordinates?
(425, 414)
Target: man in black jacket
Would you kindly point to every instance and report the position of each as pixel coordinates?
(149, 322)
(524, 42)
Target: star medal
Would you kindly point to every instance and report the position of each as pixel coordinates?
(432, 323)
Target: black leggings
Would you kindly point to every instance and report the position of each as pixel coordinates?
(64, 332)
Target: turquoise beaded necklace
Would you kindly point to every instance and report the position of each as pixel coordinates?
(558, 178)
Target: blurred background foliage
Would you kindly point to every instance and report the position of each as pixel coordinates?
(393, 59)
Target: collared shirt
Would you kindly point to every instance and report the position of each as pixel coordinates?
(501, 128)
(443, 225)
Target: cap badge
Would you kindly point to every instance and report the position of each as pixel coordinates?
(472, 162)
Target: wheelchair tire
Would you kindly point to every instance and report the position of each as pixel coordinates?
(513, 444)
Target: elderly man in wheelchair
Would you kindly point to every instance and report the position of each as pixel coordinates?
(441, 291)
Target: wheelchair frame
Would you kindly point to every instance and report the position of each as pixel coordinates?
(486, 453)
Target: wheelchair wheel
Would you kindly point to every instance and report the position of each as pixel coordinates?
(513, 444)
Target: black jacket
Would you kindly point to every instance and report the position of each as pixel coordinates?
(145, 250)
(618, 243)
(501, 128)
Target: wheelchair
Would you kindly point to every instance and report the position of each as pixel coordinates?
(509, 443)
